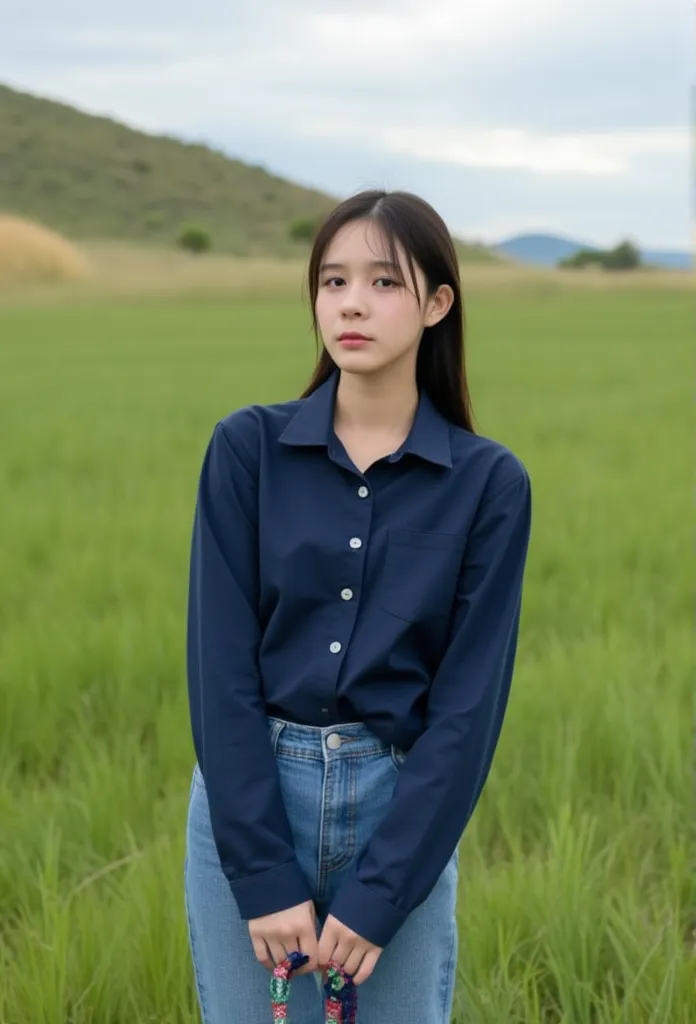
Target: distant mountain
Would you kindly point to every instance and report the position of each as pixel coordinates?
(93, 177)
(547, 250)
(669, 260)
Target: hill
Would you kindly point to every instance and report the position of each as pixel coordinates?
(546, 250)
(93, 177)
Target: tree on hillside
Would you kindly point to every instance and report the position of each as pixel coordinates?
(194, 238)
(583, 258)
(624, 256)
(303, 229)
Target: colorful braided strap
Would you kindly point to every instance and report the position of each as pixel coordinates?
(341, 993)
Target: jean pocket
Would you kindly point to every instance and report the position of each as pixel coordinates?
(275, 727)
(397, 756)
(420, 574)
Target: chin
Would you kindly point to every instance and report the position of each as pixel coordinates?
(351, 358)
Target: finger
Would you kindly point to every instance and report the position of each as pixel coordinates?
(354, 959)
(344, 947)
(262, 953)
(277, 951)
(367, 966)
(327, 945)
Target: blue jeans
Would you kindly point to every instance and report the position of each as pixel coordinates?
(334, 799)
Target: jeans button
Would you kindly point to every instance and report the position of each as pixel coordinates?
(333, 741)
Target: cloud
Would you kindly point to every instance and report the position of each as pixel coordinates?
(596, 154)
(508, 64)
(583, 96)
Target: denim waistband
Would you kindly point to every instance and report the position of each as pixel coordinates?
(355, 739)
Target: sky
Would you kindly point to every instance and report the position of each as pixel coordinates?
(507, 115)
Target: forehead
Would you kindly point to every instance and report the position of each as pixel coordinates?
(360, 243)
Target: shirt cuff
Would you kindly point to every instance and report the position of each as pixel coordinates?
(366, 914)
(268, 892)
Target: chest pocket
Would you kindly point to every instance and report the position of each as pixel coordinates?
(420, 573)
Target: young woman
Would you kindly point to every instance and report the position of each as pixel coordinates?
(355, 590)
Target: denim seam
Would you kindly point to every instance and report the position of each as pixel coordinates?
(450, 968)
(451, 964)
(321, 873)
(347, 853)
(330, 790)
(202, 997)
(284, 752)
(307, 756)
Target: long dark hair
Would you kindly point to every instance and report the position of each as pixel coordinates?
(407, 219)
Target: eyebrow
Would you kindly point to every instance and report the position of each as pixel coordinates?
(382, 264)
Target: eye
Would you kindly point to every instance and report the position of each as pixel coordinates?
(328, 281)
(389, 279)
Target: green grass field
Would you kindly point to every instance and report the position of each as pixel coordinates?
(576, 900)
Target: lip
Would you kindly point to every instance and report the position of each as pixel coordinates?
(352, 339)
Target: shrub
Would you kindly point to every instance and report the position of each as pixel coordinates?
(303, 229)
(623, 257)
(154, 220)
(583, 258)
(194, 239)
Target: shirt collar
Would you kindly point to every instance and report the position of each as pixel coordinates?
(312, 424)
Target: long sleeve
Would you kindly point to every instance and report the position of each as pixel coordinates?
(229, 725)
(443, 773)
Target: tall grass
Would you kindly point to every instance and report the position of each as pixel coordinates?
(576, 900)
(33, 254)
(124, 272)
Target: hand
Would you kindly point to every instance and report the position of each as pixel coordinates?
(354, 954)
(276, 935)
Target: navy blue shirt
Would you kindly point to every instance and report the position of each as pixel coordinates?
(323, 595)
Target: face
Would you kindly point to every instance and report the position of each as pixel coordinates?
(358, 293)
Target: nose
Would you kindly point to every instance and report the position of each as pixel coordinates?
(353, 303)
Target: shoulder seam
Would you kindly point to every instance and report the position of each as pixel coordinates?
(521, 478)
(238, 438)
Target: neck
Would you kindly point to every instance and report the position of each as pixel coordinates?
(367, 403)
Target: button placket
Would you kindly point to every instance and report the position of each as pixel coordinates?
(356, 543)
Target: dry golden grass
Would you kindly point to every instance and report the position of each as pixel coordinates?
(31, 253)
(131, 272)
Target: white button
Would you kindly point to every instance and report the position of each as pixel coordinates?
(363, 492)
(355, 542)
(333, 741)
(347, 594)
(335, 647)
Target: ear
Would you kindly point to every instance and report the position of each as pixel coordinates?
(438, 305)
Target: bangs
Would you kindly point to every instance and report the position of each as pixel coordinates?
(390, 238)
